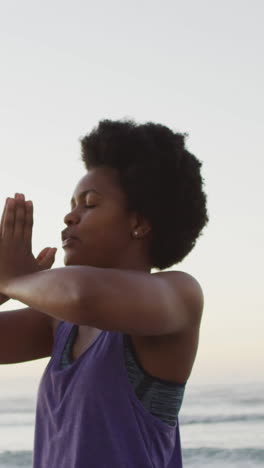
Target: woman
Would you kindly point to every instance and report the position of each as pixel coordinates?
(122, 340)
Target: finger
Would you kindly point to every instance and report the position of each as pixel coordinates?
(48, 260)
(9, 219)
(2, 220)
(28, 223)
(43, 254)
(19, 216)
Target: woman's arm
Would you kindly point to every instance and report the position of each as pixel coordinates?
(112, 299)
(3, 299)
(45, 260)
(129, 301)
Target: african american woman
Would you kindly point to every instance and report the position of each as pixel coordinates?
(121, 338)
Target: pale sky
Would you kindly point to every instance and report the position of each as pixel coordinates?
(196, 67)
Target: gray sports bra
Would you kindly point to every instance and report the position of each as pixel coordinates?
(161, 398)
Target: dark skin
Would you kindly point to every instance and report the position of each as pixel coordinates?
(104, 225)
(107, 284)
(45, 258)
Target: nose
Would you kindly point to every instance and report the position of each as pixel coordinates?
(72, 218)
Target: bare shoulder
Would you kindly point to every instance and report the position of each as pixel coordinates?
(180, 278)
(172, 356)
(187, 287)
(54, 323)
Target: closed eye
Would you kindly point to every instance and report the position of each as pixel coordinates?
(89, 206)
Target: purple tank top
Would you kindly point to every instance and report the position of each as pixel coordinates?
(88, 415)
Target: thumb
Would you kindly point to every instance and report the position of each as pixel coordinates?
(46, 258)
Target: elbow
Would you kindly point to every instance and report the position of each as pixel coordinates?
(71, 307)
(82, 308)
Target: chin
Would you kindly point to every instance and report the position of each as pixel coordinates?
(70, 259)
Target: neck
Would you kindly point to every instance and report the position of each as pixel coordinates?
(134, 261)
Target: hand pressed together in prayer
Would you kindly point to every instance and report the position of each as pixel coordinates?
(16, 257)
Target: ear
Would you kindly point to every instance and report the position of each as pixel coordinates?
(140, 225)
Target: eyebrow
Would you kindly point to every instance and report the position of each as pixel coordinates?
(82, 194)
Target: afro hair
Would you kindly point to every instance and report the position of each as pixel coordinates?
(161, 180)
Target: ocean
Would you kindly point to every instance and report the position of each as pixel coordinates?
(221, 426)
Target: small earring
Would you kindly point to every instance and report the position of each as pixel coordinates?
(136, 233)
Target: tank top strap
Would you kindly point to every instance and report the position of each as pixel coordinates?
(63, 330)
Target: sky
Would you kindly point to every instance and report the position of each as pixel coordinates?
(196, 67)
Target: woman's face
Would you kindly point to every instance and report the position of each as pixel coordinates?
(99, 220)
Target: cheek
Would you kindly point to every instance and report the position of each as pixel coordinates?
(105, 227)
(106, 238)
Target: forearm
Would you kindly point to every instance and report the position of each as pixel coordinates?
(3, 299)
(128, 301)
(54, 292)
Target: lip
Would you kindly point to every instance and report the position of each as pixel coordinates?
(69, 241)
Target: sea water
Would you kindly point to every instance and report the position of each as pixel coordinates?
(221, 426)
